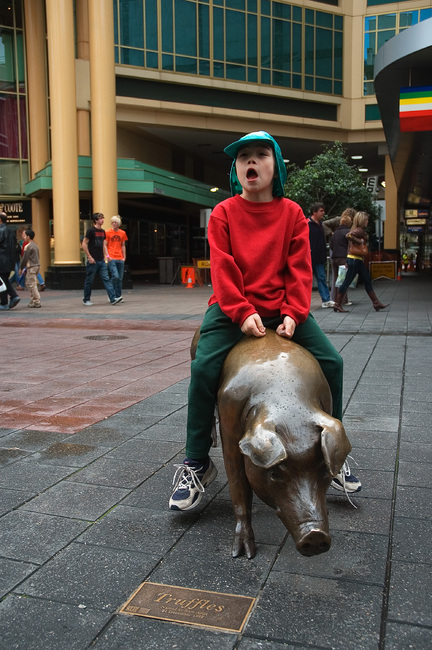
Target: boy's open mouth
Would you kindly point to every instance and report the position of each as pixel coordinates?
(251, 173)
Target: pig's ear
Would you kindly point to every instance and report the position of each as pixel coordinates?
(334, 444)
(263, 447)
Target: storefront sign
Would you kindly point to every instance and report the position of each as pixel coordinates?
(415, 222)
(17, 212)
(414, 228)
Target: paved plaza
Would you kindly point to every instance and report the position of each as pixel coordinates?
(92, 421)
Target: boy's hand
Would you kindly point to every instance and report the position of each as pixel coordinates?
(253, 326)
(287, 328)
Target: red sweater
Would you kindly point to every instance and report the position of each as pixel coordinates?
(260, 259)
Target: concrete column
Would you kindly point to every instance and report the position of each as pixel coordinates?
(103, 108)
(37, 92)
(61, 58)
(391, 229)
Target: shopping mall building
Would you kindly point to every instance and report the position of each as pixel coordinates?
(125, 106)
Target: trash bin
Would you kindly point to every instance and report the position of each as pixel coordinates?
(166, 269)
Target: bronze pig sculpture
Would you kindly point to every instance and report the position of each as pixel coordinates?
(279, 439)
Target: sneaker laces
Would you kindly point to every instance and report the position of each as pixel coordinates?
(184, 476)
(346, 471)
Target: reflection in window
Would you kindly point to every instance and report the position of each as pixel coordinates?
(228, 39)
(378, 30)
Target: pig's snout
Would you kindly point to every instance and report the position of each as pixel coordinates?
(313, 542)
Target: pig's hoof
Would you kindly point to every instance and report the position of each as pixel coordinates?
(246, 548)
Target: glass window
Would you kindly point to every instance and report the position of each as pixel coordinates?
(185, 28)
(384, 36)
(204, 68)
(131, 23)
(408, 18)
(167, 26)
(218, 34)
(7, 60)
(309, 50)
(370, 23)
(203, 31)
(235, 4)
(151, 25)
(10, 177)
(252, 75)
(167, 62)
(265, 43)
(152, 60)
(265, 7)
(186, 65)
(252, 42)
(237, 72)
(387, 21)
(324, 20)
(338, 57)
(297, 14)
(324, 52)
(296, 47)
(425, 14)
(281, 45)
(9, 143)
(281, 10)
(235, 30)
(284, 31)
(6, 14)
(132, 57)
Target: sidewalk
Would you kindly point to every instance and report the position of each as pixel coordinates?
(91, 428)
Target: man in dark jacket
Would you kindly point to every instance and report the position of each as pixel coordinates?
(7, 263)
(319, 252)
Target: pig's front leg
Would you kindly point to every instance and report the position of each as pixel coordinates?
(241, 497)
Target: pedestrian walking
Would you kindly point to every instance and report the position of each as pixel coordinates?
(93, 247)
(30, 262)
(339, 249)
(115, 253)
(357, 249)
(318, 250)
(7, 264)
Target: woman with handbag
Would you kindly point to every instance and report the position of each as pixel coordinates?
(339, 249)
(357, 249)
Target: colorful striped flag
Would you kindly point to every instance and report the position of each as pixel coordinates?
(415, 109)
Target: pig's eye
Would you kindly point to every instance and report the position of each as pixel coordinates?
(275, 475)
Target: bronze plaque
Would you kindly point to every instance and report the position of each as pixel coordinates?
(192, 606)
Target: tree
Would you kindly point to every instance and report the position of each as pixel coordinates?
(329, 178)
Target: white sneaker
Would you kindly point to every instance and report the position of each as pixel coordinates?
(329, 303)
(87, 303)
(345, 481)
(116, 300)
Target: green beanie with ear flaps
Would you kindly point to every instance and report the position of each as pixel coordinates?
(264, 138)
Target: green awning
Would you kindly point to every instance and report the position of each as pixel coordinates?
(135, 177)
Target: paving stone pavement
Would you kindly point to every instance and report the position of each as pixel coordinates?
(91, 428)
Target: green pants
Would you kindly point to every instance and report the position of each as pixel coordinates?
(218, 336)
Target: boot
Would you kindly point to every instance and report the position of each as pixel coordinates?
(338, 303)
(376, 303)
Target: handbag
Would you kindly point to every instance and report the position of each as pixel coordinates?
(2, 286)
(342, 271)
(357, 249)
